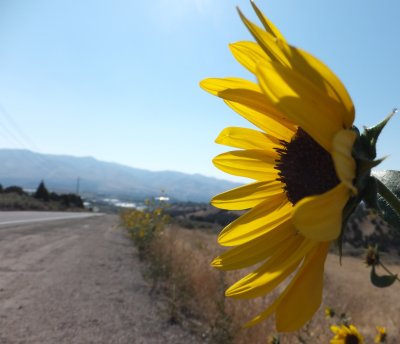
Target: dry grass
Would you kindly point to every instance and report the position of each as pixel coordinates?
(180, 270)
(194, 292)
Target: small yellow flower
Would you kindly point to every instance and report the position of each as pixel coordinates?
(346, 335)
(381, 337)
(302, 164)
(329, 312)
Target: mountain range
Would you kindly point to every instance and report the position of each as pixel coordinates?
(87, 175)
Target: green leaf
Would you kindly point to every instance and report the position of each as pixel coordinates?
(382, 281)
(391, 179)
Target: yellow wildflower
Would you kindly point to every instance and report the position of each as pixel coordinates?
(346, 335)
(381, 337)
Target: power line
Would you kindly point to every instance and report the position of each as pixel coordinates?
(21, 138)
(16, 136)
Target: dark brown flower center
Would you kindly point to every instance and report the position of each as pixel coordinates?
(305, 168)
(352, 339)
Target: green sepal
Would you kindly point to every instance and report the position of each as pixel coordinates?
(370, 136)
(382, 281)
(364, 167)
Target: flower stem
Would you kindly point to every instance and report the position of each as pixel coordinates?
(389, 196)
(388, 271)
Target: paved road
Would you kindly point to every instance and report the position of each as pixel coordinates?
(76, 281)
(8, 218)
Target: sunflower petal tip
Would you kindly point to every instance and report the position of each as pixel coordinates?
(247, 325)
(231, 292)
(222, 241)
(252, 322)
(203, 84)
(216, 263)
(240, 13)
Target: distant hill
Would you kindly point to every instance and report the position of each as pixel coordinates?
(60, 173)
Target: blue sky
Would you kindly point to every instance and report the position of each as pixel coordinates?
(118, 79)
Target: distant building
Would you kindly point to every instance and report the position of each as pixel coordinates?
(117, 203)
(162, 198)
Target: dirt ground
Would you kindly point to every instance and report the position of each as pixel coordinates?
(348, 289)
(76, 281)
(79, 281)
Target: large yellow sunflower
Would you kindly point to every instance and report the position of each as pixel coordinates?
(346, 335)
(302, 164)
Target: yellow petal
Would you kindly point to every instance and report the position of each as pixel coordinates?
(302, 102)
(255, 164)
(247, 196)
(266, 41)
(268, 25)
(258, 221)
(248, 54)
(317, 255)
(303, 62)
(304, 294)
(246, 98)
(217, 85)
(320, 217)
(264, 314)
(246, 93)
(247, 139)
(345, 164)
(335, 329)
(243, 290)
(267, 122)
(268, 276)
(254, 251)
(322, 77)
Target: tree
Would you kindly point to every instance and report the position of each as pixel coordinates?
(41, 192)
(14, 189)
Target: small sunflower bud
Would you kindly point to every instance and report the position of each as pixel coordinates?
(329, 312)
(372, 257)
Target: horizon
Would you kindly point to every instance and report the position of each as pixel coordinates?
(237, 179)
(90, 176)
(118, 81)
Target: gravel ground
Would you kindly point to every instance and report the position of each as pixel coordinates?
(77, 281)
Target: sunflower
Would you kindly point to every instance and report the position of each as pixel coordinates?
(301, 161)
(381, 336)
(346, 335)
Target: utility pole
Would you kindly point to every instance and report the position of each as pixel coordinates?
(77, 185)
